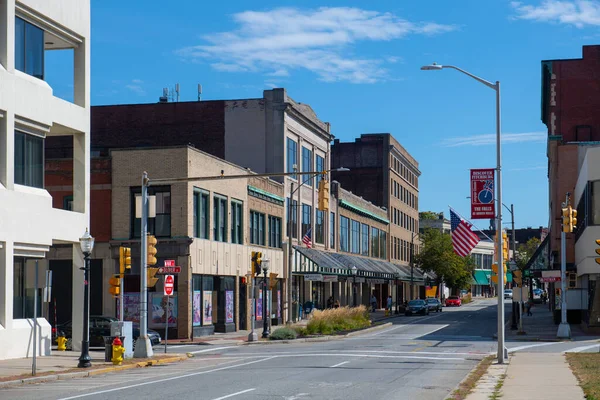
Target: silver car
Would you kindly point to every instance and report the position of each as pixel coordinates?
(508, 294)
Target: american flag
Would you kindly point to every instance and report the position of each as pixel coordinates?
(463, 238)
(306, 238)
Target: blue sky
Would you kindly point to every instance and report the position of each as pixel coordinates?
(357, 63)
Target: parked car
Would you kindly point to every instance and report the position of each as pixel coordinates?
(453, 301)
(100, 327)
(508, 294)
(434, 305)
(417, 307)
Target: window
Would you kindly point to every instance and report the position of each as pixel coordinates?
(294, 219)
(355, 237)
(29, 48)
(29, 160)
(201, 217)
(159, 226)
(320, 227)
(320, 167)
(220, 219)
(68, 203)
(274, 231)
(487, 261)
(344, 228)
(332, 230)
(237, 216)
(374, 242)
(292, 156)
(382, 244)
(364, 234)
(307, 165)
(306, 218)
(257, 228)
(23, 290)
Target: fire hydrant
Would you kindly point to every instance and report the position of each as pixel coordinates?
(61, 340)
(117, 351)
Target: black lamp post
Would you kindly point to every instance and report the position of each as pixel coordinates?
(354, 271)
(87, 245)
(266, 315)
(397, 291)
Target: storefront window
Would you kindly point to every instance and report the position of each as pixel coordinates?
(355, 237)
(382, 244)
(364, 234)
(374, 242)
(23, 289)
(344, 230)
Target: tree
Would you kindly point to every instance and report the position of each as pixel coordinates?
(437, 255)
(429, 215)
(525, 252)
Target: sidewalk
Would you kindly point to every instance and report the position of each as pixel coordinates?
(539, 326)
(529, 376)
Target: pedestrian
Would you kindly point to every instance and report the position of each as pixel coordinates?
(528, 307)
(373, 303)
(389, 304)
(330, 302)
(545, 296)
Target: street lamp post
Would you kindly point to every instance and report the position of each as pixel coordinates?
(502, 352)
(354, 271)
(87, 245)
(397, 292)
(290, 231)
(266, 314)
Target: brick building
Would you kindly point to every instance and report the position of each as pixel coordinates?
(384, 173)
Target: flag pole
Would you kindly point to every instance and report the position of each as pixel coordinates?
(466, 219)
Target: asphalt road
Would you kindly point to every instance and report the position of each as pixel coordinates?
(421, 357)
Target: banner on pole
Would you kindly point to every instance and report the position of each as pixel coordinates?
(482, 194)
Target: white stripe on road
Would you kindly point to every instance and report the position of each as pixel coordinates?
(529, 346)
(209, 350)
(394, 328)
(339, 364)
(166, 379)
(234, 394)
(582, 348)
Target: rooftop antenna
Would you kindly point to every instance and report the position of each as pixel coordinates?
(177, 91)
(165, 96)
(199, 92)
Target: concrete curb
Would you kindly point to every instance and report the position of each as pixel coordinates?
(323, 338)
(85, 374)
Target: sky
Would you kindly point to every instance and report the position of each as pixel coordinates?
(357, 64)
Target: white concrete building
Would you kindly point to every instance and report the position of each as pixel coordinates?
(30, 112)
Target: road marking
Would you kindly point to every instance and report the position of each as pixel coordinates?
(166, 379)
(339, 364)
(234, 394)
(394, 328)
(582, 348)
(528, 346)
(209, 350)
(419, 352)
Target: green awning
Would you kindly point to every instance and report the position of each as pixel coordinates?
(481, 277)
(254, 191)
(363, 212)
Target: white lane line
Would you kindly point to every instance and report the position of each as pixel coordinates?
(209, 350)
(165, 379)
(234, 394)
(372, 356)
(445, 353)
(529, 346)
(580, 349)
(394, 328)
(339, 364)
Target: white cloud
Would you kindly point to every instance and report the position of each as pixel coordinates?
(484, 140)
(579, 13)
(136, 87)
(320, 40)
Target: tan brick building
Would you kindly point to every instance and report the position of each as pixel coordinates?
(209, 227)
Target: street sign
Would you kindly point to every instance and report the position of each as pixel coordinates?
(168, 270)
(169, 263)
(169, 285)
(482, 193)
(550, 279)
(513, 266)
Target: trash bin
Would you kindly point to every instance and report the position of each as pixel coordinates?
(108, 340)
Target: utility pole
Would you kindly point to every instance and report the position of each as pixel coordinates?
(290, 249)
(564, 329)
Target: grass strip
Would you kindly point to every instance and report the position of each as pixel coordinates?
(586, 367)
(467, 385)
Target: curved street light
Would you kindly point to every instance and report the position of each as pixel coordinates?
(86, 242)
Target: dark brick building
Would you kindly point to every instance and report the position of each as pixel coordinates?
(570, 104)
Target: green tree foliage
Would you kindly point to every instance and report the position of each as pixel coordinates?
(525, 252)
(438, 256)
(428, 215)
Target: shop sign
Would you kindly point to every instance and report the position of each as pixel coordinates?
(330, 278)
(360, 280)
(376, 281)
(313, 277)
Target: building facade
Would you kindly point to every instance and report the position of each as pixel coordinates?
(384, 173)
(30, 113)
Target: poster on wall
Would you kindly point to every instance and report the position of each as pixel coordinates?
(482, 193)
(158, 312)
(131, 306)
(197, 302)
(259, 305)
(229, 306)
(207, 307)
(279, 304)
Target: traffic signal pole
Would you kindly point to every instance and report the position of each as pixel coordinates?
(564, 329)
(143, 347)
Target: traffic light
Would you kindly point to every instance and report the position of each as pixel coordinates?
(150, 272)
(505, 247)
(256, 262)
(573, 219)
(124, 260)
(495, 268)
(597, 251)
(495, 279)
(323, 203)
(115, 286)
(151, 250)
(518, 277)
(272, 280)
